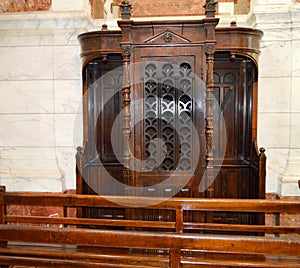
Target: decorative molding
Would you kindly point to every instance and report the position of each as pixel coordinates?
(125, 7)
(210, 8)
(210, 48)
(126, 51)
(43, 22)
(167, 37)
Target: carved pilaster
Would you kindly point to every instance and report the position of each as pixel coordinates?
(209, 129)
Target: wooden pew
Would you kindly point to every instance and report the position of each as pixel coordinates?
(70, 242)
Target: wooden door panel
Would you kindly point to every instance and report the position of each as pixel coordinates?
(166, 139)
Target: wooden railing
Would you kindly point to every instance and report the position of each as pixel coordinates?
(71, 242)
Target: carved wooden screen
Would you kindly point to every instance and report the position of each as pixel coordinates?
(171, 138)
(168, 111)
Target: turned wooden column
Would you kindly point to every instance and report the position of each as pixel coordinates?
(210, 10)
(209, 128)
(126, 113)
(125, 25)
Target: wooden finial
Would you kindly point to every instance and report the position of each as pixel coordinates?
(79, 150)
(125, 10)
(233, 24)
(232, 57)
(262, 150)
(104, 58)
(210, 8)
(104, 27)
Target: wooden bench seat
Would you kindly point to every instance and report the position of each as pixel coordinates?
(70, 242)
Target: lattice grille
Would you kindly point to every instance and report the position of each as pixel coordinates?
(168, 114)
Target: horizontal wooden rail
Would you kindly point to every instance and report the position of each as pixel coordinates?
(89, 222)
(150, 240)
(242, 228)
(151, 224)
(195, 204)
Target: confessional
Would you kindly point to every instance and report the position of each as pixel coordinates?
(170, 109)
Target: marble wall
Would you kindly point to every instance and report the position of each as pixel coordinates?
(279, 124)
(40, 92)
(40, 98)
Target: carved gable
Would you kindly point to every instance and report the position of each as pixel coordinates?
(167, 37)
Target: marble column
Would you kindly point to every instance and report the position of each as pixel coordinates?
(279, 102)
(290, 176)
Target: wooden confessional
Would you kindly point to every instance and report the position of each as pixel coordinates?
(160, 99)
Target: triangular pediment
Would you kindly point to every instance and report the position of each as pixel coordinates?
(167, 37)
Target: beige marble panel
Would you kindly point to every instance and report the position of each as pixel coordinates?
(68, 37)
(295, 94)
(67, 63)
(275, 59)
(274, 94)
(68, 96)
(295, 132)
(296, 33)
(67, 164)
(29, 39)
(225, 8)
(26, 63)
(296, 23)
(33, 130)
(292, 169)
(26, 96)
(296, 58)
(272, 33)
(29, 168)
(23, 184)
(276, 164)
(67, 5)
(271, 8)
(274, 130)
(271, 2)
(290, 188)
(39, 23)
(68, 130)
(291, 174)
